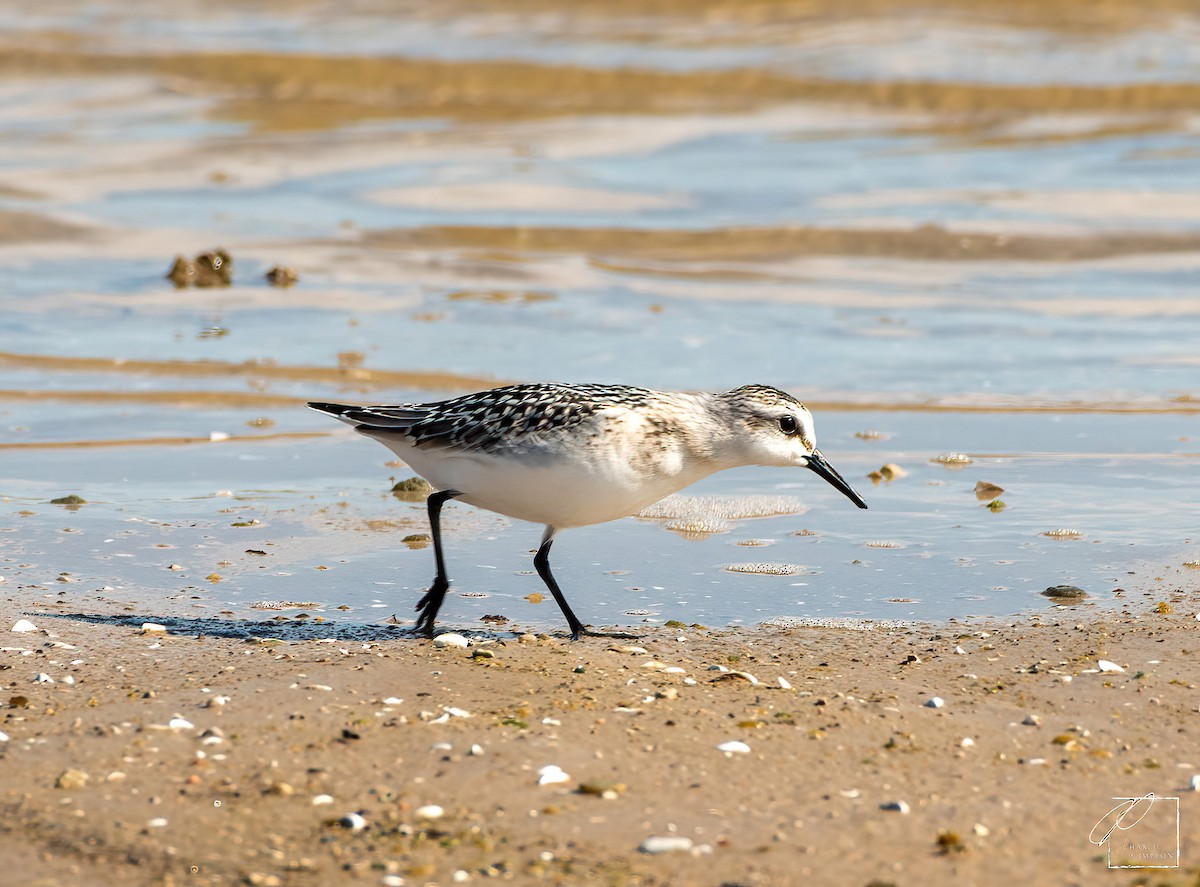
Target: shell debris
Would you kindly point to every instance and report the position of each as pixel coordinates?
(552, 774)
(934, 702)
(734, 747)
(450, 639)
(952, 460)
(736, 675)
(1105, 665)
(766, 569)
(666, 844)
(725, 508)
(23, 625)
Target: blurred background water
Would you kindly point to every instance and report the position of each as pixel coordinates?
(952, 227)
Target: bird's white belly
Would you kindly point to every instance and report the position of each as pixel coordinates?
(560, 492)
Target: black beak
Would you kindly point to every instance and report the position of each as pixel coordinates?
(818, 464)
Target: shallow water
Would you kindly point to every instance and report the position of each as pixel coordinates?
(973, 231)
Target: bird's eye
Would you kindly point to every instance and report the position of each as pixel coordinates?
(787, 424)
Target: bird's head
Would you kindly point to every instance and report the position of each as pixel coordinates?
(776, 429)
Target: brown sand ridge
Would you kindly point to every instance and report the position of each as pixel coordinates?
(26, 227)
(274, 743)
(299, 92)
(780, 243)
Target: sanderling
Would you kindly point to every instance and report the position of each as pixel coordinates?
(572, 455)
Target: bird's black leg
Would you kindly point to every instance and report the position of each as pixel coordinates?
(542, 562)
(431, 601)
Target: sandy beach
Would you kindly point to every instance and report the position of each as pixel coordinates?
(965, 234)
(184, 758)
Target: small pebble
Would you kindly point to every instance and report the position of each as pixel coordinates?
(23, 625)
(178, 723)
(71, 780)
(42, 678)
(391, 881)
(393, 700)
(1068, 592)
(666, 844)
(356, 822)
(1031, 720)
(896, 806)
(981, 830)
(476, 750)
(157, 822)
(1193, 783)
(967, 742)
(149, 627)
(552, 774)
(429, 811)
(450, 640)
(935, 702)
(3, 736)
(734, 747)
(321, 800)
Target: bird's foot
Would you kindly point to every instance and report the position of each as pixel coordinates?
(428, 606)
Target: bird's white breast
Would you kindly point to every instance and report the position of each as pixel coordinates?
(567, 482)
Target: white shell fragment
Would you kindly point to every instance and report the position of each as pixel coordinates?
(767, 569)
(900, 807)
(3, 736)
(356, 822)
(157, 822)
(23, 625)
(1105, 665)
(321, 800)
(450, 640)
(784, 684)
(178, 723)
(429, 811)
(935, 702)
(666, 844)
(1194, 782)
(734, 746)
(148, 627)
(42, 678)
(552, 774)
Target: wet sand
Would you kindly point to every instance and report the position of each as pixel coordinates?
(386, 728)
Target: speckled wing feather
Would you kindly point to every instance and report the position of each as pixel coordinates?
(499, 420)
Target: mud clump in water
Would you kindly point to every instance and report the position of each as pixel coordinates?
(213, 268)
(985, 491)
(412, 489)
(888, 472)
(282, 276)
(1065, 592)
(71, 501)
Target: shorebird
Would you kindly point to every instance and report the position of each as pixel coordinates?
(573, 455)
